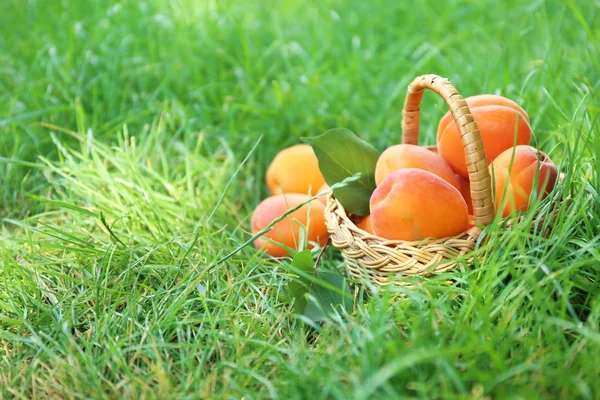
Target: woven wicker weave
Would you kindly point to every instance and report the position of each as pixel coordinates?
(377, 259)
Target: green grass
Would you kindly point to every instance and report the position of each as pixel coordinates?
(122, 127)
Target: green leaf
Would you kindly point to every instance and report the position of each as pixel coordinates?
(342, 154)
(327, 293)
(298, 286)
(317, 296)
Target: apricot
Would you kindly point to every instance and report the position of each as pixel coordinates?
(294, 170)
(365, 225)
(286, 233)
(464, 186)
(413, 204)
(515, 170)
(323, 198)
(411, 156)
(481, 100)
(502, 124)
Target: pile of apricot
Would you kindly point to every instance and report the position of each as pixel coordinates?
(420, 193)
(292, 178)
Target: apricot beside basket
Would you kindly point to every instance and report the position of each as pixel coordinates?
(377, 259)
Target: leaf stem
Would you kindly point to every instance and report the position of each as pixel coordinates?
(320, 255)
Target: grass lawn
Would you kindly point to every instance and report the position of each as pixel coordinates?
(129, 165)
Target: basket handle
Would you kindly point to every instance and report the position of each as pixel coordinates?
(477, 165)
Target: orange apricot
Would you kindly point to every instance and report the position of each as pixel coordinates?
(502, 124)
(465, 189)
(365, 225)
(323, 198)
(411, 156)
(295, 170)
(481, 100)
(514, 174)
(413, 204)
(286, 233)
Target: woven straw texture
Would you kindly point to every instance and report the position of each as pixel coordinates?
(378, 260)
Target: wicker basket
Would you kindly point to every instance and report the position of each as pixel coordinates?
(369, 257)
